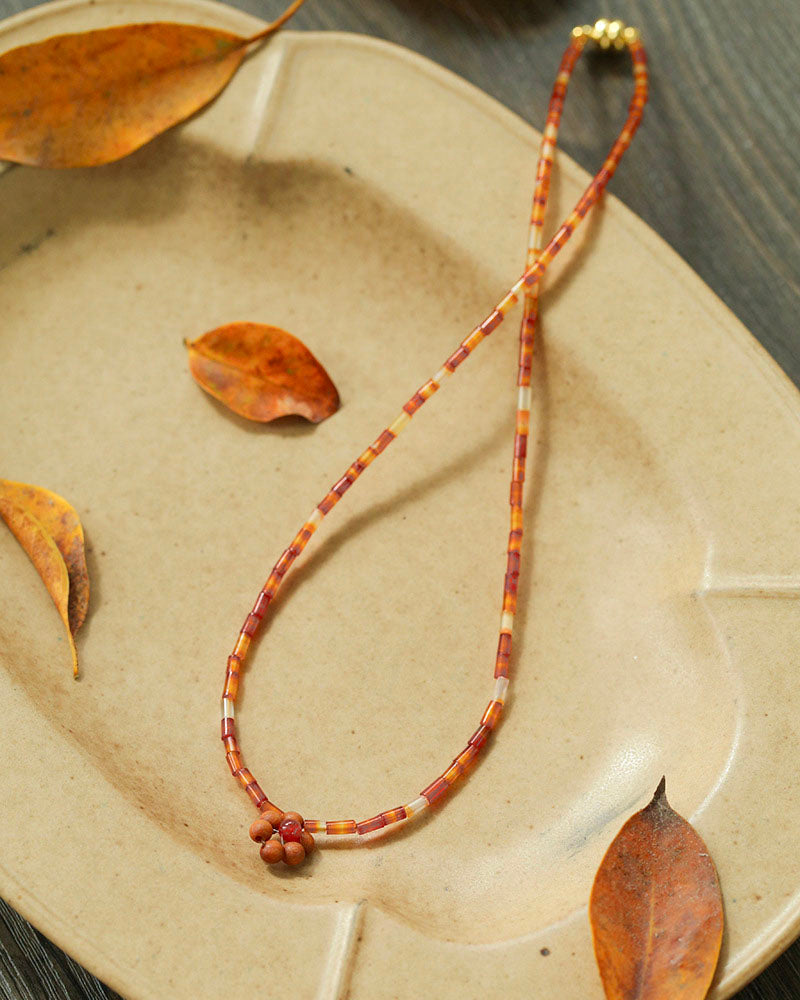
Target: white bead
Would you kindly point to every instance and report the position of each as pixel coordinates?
(399, 423)
(500, 688)
(416, 806)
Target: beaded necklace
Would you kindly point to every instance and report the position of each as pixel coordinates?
(286, 836)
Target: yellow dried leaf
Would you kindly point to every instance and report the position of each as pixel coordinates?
(49, 530)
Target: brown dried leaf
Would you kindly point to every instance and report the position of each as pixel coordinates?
(262, 372)
(83, 99)
(656, 909)
(49, 530)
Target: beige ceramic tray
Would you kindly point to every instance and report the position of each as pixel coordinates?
(376, 206)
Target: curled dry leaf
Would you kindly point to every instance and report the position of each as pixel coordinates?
(656, 909)
(83, 99)
(262, 372)
(49, 530)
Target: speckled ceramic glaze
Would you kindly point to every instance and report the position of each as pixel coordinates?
(332, 190)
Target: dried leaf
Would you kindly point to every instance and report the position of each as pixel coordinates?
(83, 99)
(656, 909)
(262, 372)
(49, 530)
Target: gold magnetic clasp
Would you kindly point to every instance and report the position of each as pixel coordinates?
(607, 33)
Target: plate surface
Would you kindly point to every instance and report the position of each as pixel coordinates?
(376, 206)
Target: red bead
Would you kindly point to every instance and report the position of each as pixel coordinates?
(368, 825)
(291, 831)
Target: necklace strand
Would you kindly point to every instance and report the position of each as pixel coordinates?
(295, 835)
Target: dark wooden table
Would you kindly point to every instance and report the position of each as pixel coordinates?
(714, 171)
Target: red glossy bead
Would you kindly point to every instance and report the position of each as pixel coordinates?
(291, 831)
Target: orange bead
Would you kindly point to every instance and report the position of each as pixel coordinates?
(272, 852)
(261, 830)
(273, 816)
(295, 816)
(307, 841)
(295, 853)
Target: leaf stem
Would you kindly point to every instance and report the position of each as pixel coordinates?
(273, 26)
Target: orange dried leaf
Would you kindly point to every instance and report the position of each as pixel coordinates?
(84, 99)
(262, 372)
(49, 530)
(656, 909)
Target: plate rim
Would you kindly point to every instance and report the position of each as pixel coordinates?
(29, 905)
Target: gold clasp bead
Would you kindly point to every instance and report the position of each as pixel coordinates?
(607, 33)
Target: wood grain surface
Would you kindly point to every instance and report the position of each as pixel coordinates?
(714, 171)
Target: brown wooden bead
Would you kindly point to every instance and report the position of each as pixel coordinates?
(307, 841)
(260, 830)
(295, 816)
(272, 852)
(273, 816)
(294, 852)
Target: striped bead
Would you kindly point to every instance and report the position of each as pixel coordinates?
(244, 777)
(480, 736)
(327, 502)
(414, 403)
(285, 561)
(257, 797)
(453, 772)
(340, 826)
(231, 688)
(435, 790)
(460, 354)
(369, 825)
(383, 441)
(492, 322)
(467, 756)
(492, 714)
(503, 655)
(343, 485)
(250, 626)
(394, 815)
(242, 645)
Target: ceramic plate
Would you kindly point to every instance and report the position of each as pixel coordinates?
(376, 206)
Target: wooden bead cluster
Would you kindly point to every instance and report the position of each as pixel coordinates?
(285, 836)
(282, 837)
